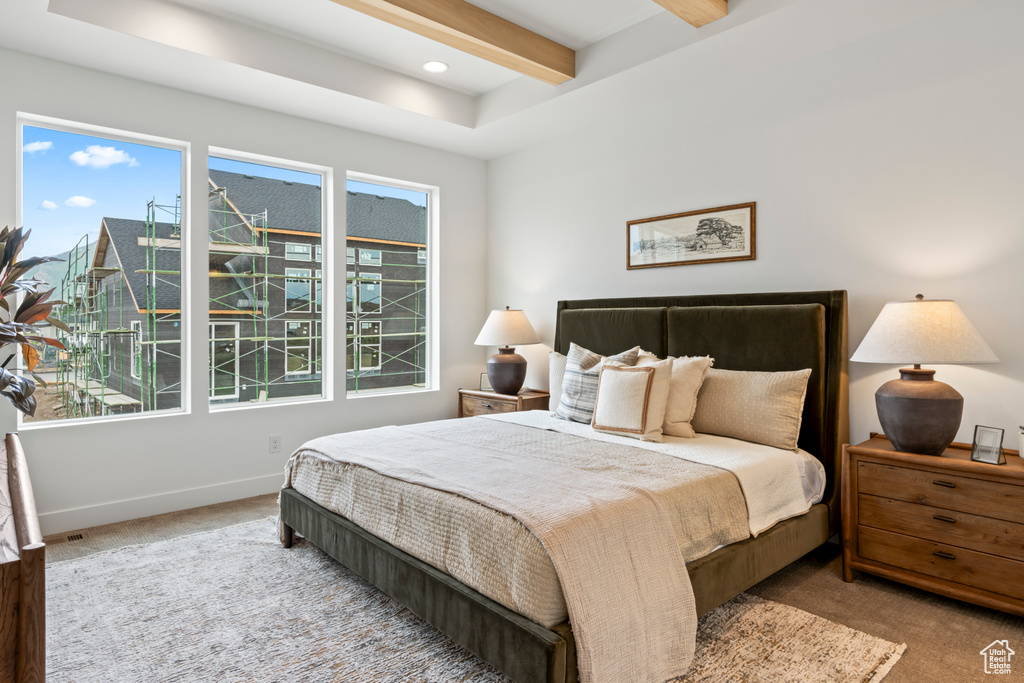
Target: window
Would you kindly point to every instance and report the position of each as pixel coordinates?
(387, 317)
(264, 209)
(136, 349)
(351, 343)
(298, 252)
(96, 199)
(350, 255)
(369, 346)
(297, 289)
(319, 292)
(223, 360)
(369, 257)
(369, 292)
(299, 348)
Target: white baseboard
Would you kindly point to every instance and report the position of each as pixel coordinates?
(145, 506)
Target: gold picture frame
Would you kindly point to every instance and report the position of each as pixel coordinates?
(724, 233)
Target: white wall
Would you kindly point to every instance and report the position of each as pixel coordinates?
(883, 144)
(103, 472)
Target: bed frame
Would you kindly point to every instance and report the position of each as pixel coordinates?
(763, 331)
(22, 581)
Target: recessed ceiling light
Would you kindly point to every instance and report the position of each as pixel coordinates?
(435, 67)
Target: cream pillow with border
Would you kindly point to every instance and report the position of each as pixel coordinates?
(688, 374)
(762, 407)
(579, 385)
(556, 373)
(631, 400)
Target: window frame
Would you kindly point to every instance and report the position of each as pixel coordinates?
(136, 349)
(185, 314)
(326, 315)
(308, 345)
(289, 253)
(378, 345)
(304, 277)
(213, 341)
(432, 310)
(366, 279)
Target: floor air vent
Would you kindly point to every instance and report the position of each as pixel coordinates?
(75, 537)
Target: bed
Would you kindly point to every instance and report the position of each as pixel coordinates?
(758, 332)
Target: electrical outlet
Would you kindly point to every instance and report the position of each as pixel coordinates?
(275, 444)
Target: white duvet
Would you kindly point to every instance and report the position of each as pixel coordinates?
(777, 484)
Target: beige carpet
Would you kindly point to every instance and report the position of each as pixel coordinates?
(232, 605)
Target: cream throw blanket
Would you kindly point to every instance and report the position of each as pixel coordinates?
(604, 512)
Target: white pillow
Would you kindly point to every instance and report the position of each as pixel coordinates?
(556, 372)
(631, 400)
(579, 385)
(688, 373)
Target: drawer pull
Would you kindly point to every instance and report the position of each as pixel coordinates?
(486, 405)
(944, 555)
(943, 518)
(947, 484)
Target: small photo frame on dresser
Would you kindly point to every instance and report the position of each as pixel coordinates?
(988, 445)
(485, 383)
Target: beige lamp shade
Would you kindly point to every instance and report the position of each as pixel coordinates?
(507, 328)
(923, 332)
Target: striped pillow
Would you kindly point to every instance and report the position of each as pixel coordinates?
(579, 385)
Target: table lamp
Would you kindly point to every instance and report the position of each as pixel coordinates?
(917, 413)
(506, 370)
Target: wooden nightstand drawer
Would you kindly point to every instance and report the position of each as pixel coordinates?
(472, 402)
(943, 490)
(474, 405)
(962, 529)
(979, 570)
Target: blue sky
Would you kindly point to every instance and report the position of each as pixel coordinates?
(71, 181)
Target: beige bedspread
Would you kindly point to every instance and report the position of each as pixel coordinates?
(606, 514)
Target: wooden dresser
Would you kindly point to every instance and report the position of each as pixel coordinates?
(472, 402)
(942, 523)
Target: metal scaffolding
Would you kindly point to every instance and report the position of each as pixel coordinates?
(268, 350)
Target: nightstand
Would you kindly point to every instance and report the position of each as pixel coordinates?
(472, 402)
(941, 523)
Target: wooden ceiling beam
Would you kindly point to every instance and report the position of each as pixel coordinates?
(459, 24)
(696, 12)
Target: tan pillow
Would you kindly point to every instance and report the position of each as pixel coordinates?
(688, 374)
(762, 407)
(631, 401)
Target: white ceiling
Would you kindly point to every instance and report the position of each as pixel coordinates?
(574, 23)
(326, 62)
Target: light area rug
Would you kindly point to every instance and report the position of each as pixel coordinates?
(233, 605)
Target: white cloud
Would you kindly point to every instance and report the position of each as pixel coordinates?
(102, 157)
(37, 146)
(48, 205)
(80, 201)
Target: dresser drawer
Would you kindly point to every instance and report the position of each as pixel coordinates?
(476, 405)
(984, 534)
(943, 490)
(944, 561)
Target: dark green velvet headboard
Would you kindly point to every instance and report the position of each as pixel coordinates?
(763, 331)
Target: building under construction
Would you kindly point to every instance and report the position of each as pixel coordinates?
(266, 336)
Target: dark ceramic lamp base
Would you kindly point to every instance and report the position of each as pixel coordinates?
(506, 371)
(918, 414)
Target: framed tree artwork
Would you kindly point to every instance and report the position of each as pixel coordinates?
(724, 233)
